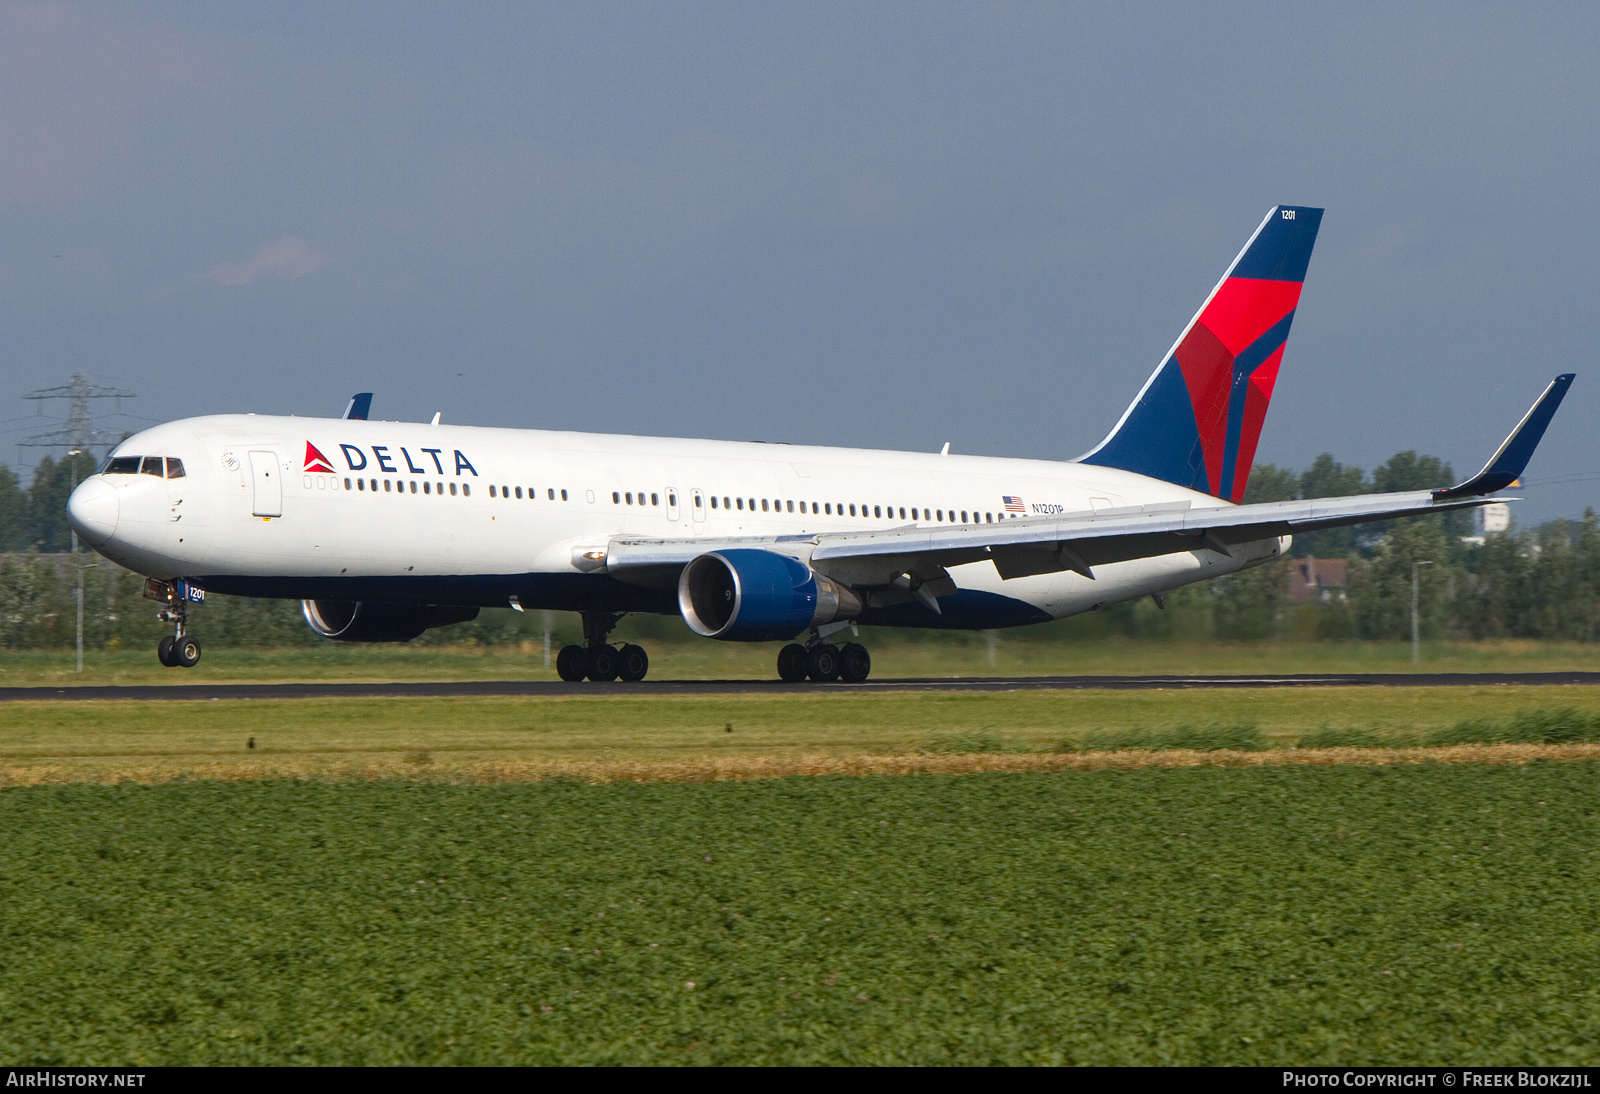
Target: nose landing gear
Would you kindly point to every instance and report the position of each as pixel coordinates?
(180, 650)
(596, 659)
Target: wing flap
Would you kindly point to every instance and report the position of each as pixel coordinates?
(1082, 541)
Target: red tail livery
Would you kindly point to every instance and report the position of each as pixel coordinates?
(1198, 419)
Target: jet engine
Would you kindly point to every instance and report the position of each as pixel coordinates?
(362, 621)
(748, 595)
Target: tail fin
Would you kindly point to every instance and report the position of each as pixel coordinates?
(1198, 418)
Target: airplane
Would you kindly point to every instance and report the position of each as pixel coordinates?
(385, 529)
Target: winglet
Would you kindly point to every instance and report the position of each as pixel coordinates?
(359, 406)
(1506, 465)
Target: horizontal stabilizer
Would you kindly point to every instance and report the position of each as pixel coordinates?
(1506, 465)
(359, 407)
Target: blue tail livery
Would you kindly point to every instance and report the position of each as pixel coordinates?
(1198, 418)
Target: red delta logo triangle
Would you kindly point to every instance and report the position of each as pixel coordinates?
(316, 461)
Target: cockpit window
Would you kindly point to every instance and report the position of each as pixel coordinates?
(174, 468)
(123, 465)
(152, 466)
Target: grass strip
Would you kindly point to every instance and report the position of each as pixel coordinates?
(425, 767)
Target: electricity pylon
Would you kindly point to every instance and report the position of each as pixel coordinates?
(80, 432)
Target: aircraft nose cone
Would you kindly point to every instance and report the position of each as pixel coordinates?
(92, 511)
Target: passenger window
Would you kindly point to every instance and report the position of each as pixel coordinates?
(152, 466)
(655, 499)
(123, 465)
(940, 514)
(852, 509)
(361, 484)
(713, 502)
(491, 491)
(174, 468)
(828, 506)
(519, 493)
(752, 505)
(902, 512)
(726, 504)
(466, 488)
(963, 516)
(877, 511)
(347, 484)
(386, 489)
(616, 498)
(425, 489)
(629, 497)
(791, 507)
(763, 505)
(563, 495)
(741, 503)
(452, 490)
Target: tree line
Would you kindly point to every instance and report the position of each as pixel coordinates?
(1526, 583)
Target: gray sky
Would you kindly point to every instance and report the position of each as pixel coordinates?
(872, 225)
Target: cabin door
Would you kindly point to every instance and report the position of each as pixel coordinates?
(268, 476)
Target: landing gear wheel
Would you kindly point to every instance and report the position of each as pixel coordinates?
(569, 664)
(164, 652)
(855, 663)
(823, 663)
(185, 652)
(632, 663)
(794, 663)
(600, 663)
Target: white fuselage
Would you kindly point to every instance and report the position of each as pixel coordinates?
(462, 514)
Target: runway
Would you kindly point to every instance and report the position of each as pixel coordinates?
(552, 689)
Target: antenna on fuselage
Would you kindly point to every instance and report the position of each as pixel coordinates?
(436, 414)
(945, 451)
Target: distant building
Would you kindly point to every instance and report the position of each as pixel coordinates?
(1320, 579)
(1494, 517)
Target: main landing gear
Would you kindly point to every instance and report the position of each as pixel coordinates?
(824, 662)
(596, 659)
(179, 650)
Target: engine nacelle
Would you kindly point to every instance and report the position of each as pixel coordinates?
(362, 621)
(746, 595)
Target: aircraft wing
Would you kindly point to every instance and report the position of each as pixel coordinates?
(1082, 541)
(1023, 548)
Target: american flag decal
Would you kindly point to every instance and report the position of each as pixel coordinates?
(1013, 504)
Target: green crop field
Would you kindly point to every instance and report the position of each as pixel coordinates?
(1423, 914)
